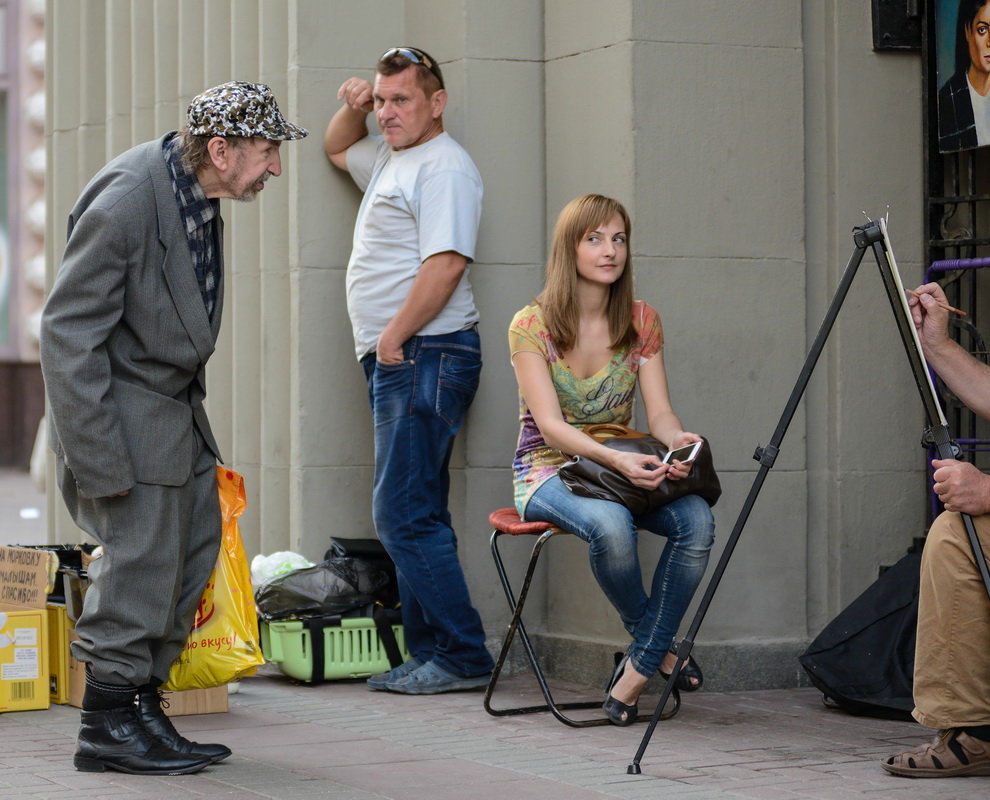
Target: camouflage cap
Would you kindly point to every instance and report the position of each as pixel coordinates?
(240, 109)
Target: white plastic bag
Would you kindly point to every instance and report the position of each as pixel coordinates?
(264, 568)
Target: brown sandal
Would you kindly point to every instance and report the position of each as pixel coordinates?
(951, 753)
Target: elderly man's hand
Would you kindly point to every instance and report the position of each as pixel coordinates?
(961, 487)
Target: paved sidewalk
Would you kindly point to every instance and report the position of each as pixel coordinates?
(343, 741)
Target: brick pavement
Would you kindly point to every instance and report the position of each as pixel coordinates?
(342, 741)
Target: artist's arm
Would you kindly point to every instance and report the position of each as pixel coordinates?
(540, 397)
(961, 486)
(349, 124)
(965, 375)
(663, 422)
(431, 289)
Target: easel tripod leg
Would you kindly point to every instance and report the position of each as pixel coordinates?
(766, 456)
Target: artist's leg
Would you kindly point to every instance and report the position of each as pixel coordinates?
(951, 668)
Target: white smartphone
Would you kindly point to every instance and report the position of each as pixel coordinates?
(683, 454)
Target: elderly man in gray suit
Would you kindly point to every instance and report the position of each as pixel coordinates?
(127, 330)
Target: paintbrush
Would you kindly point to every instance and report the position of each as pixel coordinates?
(954, 310)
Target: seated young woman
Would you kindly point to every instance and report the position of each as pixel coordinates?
(579, 351)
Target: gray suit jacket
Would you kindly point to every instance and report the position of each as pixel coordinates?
(125, 336)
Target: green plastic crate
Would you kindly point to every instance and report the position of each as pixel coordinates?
(352, 650)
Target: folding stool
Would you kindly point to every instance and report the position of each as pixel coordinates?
(505, 521)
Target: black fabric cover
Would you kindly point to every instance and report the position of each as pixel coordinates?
(373, 553)
(336, 586)
(863, 660)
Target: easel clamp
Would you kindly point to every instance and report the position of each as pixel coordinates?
(766, 455)
(929, 441)
(865, 235)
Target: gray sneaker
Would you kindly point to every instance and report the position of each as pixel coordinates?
(377, 682)
(431, 678)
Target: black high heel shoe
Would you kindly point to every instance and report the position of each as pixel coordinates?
(690, 678)
(619, 713)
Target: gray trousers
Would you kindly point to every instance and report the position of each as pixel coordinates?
(160, 544)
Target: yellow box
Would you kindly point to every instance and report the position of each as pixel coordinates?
(59, 626)
(25, 577)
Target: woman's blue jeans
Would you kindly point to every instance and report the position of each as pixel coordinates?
(418, 406)
(610, 530)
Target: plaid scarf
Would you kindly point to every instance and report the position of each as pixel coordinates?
(198, 213)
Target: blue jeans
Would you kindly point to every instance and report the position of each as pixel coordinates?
(418, 406)
(610, 530)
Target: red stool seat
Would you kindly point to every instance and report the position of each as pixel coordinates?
(507, 521)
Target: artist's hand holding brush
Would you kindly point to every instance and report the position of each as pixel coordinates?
(966, 376)
(930, 313)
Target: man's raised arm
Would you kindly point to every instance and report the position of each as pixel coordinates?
(349, 124)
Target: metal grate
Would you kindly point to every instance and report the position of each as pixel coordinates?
(957, 242)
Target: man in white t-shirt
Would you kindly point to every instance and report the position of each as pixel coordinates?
(415, 335)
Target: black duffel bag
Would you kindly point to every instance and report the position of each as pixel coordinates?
(332, 588)
(372, 552)
(863, 660)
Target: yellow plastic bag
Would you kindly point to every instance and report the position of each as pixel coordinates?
(223, 645)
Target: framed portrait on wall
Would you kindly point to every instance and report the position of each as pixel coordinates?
(962, 53)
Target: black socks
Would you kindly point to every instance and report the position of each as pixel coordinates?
(981, 732)
(151, 687)
(104, 696)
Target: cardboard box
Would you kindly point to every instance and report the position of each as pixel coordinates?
(77, 674)
(25, 578)
(193, 701)
(196, 701)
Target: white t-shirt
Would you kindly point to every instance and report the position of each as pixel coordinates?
(417, 203)
(981, 114)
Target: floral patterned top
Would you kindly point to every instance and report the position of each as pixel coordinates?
(606, 396)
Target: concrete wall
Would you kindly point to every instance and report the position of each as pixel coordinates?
(745, 140)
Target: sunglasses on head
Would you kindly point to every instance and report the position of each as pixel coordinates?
(417, 57)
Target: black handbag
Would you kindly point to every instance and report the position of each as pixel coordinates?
(588, 478)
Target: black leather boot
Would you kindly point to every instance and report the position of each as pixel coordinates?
(155, 721)
(116, 739)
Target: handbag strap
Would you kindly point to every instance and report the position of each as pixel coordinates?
(602, 431)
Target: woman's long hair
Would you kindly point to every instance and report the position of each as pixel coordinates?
(559, 296)
(968, 9)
